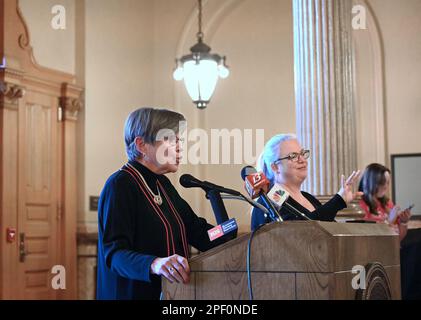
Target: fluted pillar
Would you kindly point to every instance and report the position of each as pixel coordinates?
(324, 90)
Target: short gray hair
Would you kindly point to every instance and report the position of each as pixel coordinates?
(146, 124)
(270, 154)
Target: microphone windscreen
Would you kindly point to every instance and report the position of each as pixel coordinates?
(246, 171)
(188, 181)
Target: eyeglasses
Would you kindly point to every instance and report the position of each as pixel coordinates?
(293, 156)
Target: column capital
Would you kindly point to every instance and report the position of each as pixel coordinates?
(71, 101)
(10, 93)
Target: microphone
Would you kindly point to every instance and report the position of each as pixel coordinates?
(188, 181)
(249, 171)
(257, 185)
(213, 193)
(278, 195)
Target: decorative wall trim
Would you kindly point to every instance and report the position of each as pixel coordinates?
(71, 101)
(24, 39)
(28, 60)
(11, 93)
(71, 107)
(46, 87)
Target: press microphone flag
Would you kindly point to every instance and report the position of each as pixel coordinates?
(254, 181)
(222, 229)
(256, 185)
(278, 195)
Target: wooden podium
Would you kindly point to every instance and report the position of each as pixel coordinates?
(297, 260)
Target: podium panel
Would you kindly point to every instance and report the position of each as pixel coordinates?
(298, 260)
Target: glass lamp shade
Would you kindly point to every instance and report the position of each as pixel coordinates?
(200, 78)
(178, 74)
(223, 71)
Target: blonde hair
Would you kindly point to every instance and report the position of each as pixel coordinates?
(270, 154)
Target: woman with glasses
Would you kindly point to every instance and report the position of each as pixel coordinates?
(284, 162)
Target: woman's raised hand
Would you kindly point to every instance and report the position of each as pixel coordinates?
(347, 187)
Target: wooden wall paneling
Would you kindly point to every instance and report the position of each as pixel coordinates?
(10, 102)
(38, 166)
(38, 194)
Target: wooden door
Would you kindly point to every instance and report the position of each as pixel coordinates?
(38, 173)
(38, 200)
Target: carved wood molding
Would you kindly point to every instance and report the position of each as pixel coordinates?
(71, 107)
(24, 39)
(71, 101)
(10, 93)
(20, 50)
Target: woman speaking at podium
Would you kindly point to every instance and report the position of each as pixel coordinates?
(145, 227)
(284, 162)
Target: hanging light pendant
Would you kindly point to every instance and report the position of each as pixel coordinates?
(201, 69)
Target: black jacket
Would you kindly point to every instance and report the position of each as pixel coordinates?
(132, 234)
(326, 212)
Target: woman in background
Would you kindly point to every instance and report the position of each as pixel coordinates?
(284, 162)
(378, 207)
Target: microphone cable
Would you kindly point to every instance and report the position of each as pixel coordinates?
(248, 262)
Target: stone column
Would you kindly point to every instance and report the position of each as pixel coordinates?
(324, 90)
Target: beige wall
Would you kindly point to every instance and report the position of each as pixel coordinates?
(259, 94)
(260, 56)
(123, 52)
(400, 26)
(118, 73)
(52, 48)
(388, 65)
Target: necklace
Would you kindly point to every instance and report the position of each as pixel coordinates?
(156, 197)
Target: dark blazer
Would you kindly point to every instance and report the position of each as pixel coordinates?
(131, 235)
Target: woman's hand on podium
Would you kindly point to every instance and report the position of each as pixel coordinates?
(173, 268)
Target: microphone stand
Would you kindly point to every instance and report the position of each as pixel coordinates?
(248, 200)
(218, 206)
(296, 211)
